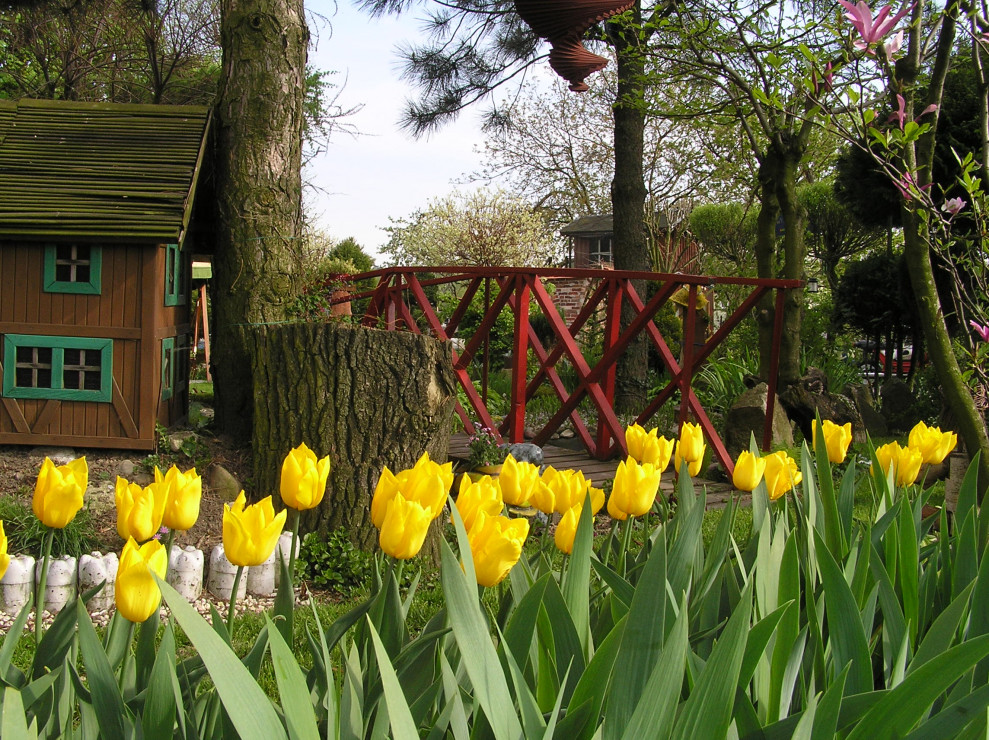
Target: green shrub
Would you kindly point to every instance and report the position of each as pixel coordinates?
(333, 562)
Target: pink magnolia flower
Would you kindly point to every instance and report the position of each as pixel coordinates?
(900, 114)
(953, 206)
(981, 330)
(894, 45)
(872, 29)
(907, 185)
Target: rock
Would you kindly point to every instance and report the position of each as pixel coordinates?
(126, 468)
(808, 397)
(874, 422)
(899, 406)
(747, 416)
(177, 439)
(526, 452)
(58, 455)
(222, 482)
(567, 433)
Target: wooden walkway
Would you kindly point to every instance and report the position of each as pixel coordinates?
(598, 471)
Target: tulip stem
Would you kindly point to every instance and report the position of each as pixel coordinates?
(39, 604)
(169, 541)
(291, 555)
(233, 600)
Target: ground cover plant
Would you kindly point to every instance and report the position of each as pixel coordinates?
(822, 624)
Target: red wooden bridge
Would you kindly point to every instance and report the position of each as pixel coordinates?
(401, 301)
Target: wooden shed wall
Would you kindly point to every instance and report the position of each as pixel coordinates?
(129, 310)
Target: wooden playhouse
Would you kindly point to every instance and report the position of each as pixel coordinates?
(96, 237)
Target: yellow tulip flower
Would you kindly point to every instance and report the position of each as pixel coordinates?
(4, 557)
(404, 528)
(303, 480)
(781, 474)
(58, 494)
(136, 592)
(474, 496)
(933, 444)
(139, 510)
(183, 494)
(250, 533)
(749, 470)
(517, 481)
(566, 530)
(693, 467)
(836, 439)
(648, 447)
(496, 544)
(691, 446)
(906, 462)
(634, 489)
(427, 483)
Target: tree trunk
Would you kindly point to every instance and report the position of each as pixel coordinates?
(366, 398)
(628, 198)
(765, 257)
(256, 270)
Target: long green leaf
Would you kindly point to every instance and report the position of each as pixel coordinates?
(13, 720)
(109, 705)
(11, 674)
(898, 711)
(942, 632)
(833, 531)
(248, 707)
(160, 704)
(953, 718)
(593, 686)
(399, 716)
(575, 590)
(707, 711)
(292, 690)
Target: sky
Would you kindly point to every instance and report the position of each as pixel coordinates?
(384, 172)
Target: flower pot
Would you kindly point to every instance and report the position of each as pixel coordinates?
(285, 548)
(222, 572)
(96, 568)
(482, 470)
(261, 578)
(17, 584)
(60, 588)
(185, 571)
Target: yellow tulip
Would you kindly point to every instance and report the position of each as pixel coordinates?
(496, 544)
(781, 474)
(517, 481)
(836, 439)
(566, 530)
(139, 510)
(4, 557)
(648, 447)
(693, 467)
(58, 494)
(250, 533)
(634, 489)
(404, 527)
(474, 496)
(906, 462)
(691, 447)
(136, 592)
(183, 494)
(303, 480)
(933, 444)
(749, 470)
(426, 483)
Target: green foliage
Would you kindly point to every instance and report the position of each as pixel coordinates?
(727, 230)
(720, 382)
(25, 533)
(332, 561)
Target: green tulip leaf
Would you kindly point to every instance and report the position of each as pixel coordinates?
(292, 690)
(13, 720)
(248, 707)
(9, 672)
(57, 640)
(399, 716)
(575, 591)
(107, 701)
(163, 693)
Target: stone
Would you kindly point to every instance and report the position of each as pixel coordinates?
(809, 397)
(747, 416)
(222, 482)
(567, 433)
(526, 452)
(899, 406)
(126, 468)
(58, 455)
(873, 421)
(177, 439)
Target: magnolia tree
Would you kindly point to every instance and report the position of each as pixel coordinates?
(901, 58)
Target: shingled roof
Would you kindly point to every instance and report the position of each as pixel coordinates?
(99, 171)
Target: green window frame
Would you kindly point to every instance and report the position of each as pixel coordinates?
(167, 368)
(73, 268)
(176, 280)
(60, 368)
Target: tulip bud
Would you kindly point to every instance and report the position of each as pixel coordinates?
(250, 533)
(566, 530)
(781, 474)
(836, 439)
(648, 447)
(933, 444)
(634, 489)
(482, 495)
(517, 481)
(303, 478)
(693, 468)
(691, 447)
(496, 544)
(749, 470)
(139, 510)
(58, 494)
(136, 592)
(404, 528)
(183, 494)
(4, 557)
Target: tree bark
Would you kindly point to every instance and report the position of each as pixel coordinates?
(257, 267)
(367, 398)
(628, 199)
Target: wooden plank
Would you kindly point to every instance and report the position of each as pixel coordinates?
(69, 330)
(123, 413)
(68, 440)
(45, 418)
(148, 379)
(16, 416)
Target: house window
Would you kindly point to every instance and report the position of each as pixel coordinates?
(175, 276)
(601, 250)
(167, 368)
(61, 368)
(73, 268)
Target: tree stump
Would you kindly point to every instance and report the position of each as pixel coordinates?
(365, 397)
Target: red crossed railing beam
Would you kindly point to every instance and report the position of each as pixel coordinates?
(401, 302)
